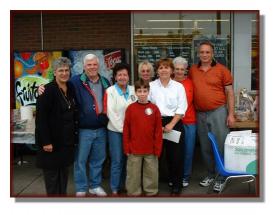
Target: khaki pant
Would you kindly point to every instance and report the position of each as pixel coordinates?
(148, 166)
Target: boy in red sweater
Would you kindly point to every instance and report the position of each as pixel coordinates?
(142, 142)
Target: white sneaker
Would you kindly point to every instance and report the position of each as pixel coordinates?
(80, 194)
(185, 183)
(219, 186)
(98, 191)
(206, 181)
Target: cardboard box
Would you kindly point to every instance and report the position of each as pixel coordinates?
(240, 152)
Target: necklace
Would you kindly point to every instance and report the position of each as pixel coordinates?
(65, 99)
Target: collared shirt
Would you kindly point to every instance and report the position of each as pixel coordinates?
(209, 86)
(121, 93)
(171, 99)
(97, 89)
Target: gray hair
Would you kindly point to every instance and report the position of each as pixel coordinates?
(90, 57)
(60, 62)
(150, 66)
(180, 60)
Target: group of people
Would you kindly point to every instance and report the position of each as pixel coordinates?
(79, 117)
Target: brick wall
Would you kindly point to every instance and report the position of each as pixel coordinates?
(71, 30)
(25, 33)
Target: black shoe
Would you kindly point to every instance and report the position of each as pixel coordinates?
(175, 191)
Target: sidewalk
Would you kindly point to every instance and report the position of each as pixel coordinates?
(27, 181)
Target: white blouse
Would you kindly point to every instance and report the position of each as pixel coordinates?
(171, 99)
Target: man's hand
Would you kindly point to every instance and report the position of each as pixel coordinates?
(230, 105)
(230, 120)
(48, 148)
(41, 89)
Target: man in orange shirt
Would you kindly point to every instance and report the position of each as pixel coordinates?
(214, 102)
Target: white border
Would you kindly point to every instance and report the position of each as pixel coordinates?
(10, 206)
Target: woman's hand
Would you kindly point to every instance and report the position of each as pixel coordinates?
(168, 127)
(48, 148)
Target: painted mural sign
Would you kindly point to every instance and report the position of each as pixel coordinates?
(26, 89)
(31, 69)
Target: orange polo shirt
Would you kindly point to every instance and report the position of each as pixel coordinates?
(190, 115)
(209, 86)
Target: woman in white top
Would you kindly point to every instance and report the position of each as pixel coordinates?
(170, 97)
(117, 99)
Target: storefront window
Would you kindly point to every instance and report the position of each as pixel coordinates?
(172, 34)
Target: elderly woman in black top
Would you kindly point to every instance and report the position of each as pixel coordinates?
(56, 129)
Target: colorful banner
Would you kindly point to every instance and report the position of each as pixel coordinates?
(32, 69)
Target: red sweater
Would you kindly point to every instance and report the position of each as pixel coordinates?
(142, 130)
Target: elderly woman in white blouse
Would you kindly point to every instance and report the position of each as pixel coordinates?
(117, 98)
(170, 97)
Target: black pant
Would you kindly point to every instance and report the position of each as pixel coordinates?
(56, 181)
(174, 155)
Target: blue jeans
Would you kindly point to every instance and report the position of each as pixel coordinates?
(91, 150)
(118, 161)
(189, 144)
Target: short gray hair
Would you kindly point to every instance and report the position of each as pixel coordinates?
(60, 62)
(150, 66)
(180, 60)
(90, 57)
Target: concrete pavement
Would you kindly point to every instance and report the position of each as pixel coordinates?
(27, 181)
